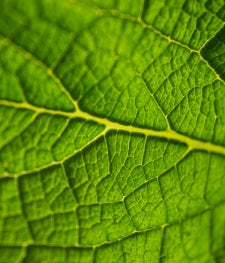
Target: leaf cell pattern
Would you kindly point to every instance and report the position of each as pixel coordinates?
(112, 136)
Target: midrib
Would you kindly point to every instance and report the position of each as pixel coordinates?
(112, 125)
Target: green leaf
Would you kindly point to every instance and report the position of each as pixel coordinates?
(112, 135)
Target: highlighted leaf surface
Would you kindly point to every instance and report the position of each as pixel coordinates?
(112, 135)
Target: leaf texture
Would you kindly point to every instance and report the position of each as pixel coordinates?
(112, 135)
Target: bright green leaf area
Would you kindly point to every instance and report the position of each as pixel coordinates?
(112, 135)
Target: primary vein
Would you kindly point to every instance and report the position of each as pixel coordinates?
(112, 125)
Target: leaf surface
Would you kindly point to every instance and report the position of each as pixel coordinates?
(112, 136)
